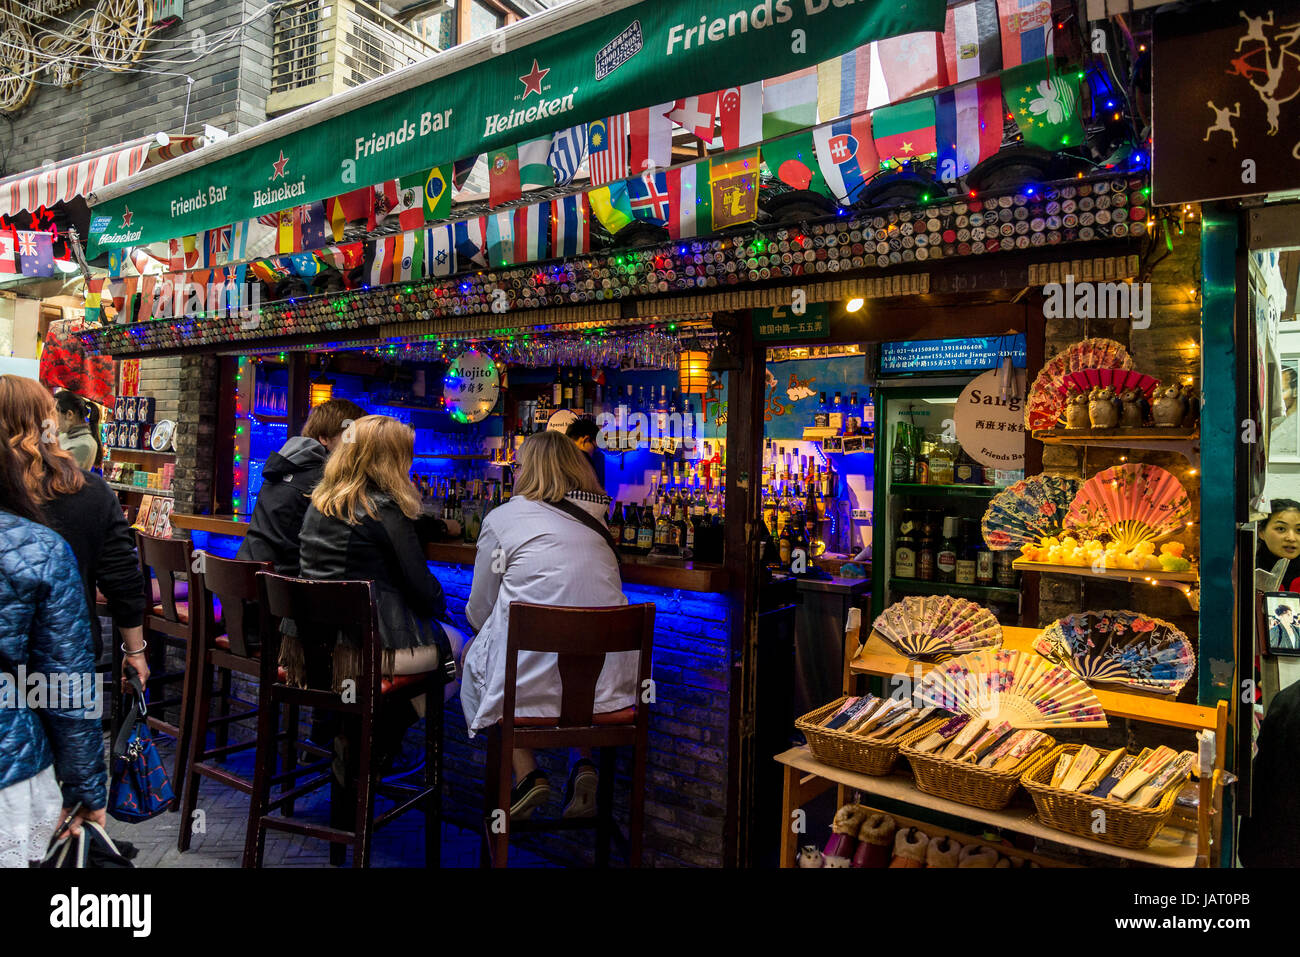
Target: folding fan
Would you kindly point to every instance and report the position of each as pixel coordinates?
(934, 625)
(1131, 503)
(1120, 647)
(1023, 689)
(1046, 403)
(1083, 380)
(1028, 511)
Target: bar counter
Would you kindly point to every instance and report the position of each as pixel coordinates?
(635, 570)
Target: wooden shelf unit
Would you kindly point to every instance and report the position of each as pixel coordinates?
(1186, 582)
(1186, 444)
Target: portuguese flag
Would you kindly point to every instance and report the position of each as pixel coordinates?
(905, 130)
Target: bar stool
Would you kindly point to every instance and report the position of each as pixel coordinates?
(325, 612)
(168, 616)
(581, 638)
(227, 590)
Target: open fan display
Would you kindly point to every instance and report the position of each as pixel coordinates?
(1045, 406)
(1131, 503)
(934, 625)
(1028, 511)
(1019, 688)
(1120, 647)
(1083, 380)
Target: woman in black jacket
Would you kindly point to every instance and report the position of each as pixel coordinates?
(82, 508)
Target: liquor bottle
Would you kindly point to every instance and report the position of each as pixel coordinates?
(964, 470)
(853, 417)
(630, 528)
(785, 544)
(945, 561)
(984, 570)
(905, 546)
(568, 391)
(557, 390)
(616, 523)
(665, 535)
(680, 520)
(645, 532)
(580, 394)
(966, 555)
(925, 551)
(923, 467)
(869, 417)
(822, 415)
(835, 420)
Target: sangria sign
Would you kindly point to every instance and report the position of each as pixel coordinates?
(990, 428)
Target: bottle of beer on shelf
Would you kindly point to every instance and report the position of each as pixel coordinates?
(984, 570)
(926, 547)
(923, 466)
(631, 528)
(616, 524)
(557, 390)
(945, 561)
(966, 551)
(905, 546)
(898, 457)
(964, 470)
(645, 532)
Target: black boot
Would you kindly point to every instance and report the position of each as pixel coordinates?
(394, 720)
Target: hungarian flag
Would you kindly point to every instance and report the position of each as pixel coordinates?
(607, 157)
(650, 138)
(1045, 104)
(408, 257)
(689, 203)
(790, 102)
(648, 196)
(844, 84)
(570, 226)
(532, 233)
(35, 253)
(968, 126)
(846, 155)
(695, 114)
(437, 193)
(440, 251)
(315, 230)
(471, 241)
(611, 206)
(1026, 28)
(568, 150)
(500, 239)
(740, 115)
(288, 234)
(8, 251)
(504, 184)
(534, 162)
(905, 130)
(356, 206)
(972, 46)
(733, 187)
(911, 64)
(793, 160)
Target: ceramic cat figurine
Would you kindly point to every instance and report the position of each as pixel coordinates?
(1131, 414)
(1169, 406)
(1076, 410)
(1103, 412)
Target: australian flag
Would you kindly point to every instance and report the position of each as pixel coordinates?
(568, 149)
(35, 253)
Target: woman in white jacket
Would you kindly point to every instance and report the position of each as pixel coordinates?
(531, 550)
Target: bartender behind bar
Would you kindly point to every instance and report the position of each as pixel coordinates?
(583, 431)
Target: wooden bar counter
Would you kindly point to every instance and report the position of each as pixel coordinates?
(636, 570)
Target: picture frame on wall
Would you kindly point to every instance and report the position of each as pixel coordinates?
(1282, 623)
(1284, 431)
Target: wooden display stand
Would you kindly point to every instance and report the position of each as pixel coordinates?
(806, 778)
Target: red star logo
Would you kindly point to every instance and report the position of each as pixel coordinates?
(533, 81)
(126, 216)
(279, 165)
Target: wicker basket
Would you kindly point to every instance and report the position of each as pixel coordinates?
(853, 752)
(1126, 826)
(964, 782)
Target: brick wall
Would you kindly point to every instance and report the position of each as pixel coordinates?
(686, 775)
(161, 378)
(229, 91)
(196, 427)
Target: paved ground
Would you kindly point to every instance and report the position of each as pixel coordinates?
(225, 820)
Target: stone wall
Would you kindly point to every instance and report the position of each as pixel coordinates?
(196, 429)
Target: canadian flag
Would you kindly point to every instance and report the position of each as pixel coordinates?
(8, 251)
(696, 113)
(740, 109)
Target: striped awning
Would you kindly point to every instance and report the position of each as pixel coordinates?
(84, 174)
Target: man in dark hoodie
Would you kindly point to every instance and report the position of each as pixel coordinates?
(287, 481)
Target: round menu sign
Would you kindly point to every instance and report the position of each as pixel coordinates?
(471, 386)
(992, 429)
(560, 420)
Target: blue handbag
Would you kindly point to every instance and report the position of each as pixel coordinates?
(140, 788)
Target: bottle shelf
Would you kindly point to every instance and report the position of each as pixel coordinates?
(990, 592)
(944, 491)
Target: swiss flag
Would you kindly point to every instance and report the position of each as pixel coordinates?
(696, 113)
(740, 109)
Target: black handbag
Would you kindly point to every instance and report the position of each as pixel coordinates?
(91, 848)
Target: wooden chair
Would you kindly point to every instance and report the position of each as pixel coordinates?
(167, 616)
(321, 611)
(581, 638)
(227, 590)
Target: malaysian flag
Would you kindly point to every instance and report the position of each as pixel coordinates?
(607, 150)
(35, 253)
(568, 148)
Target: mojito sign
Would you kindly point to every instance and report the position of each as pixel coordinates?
(647, 52)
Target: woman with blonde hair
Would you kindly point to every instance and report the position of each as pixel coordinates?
(544, 546)
(81, 507)
(360, 526)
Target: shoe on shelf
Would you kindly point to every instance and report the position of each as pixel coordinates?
(580, 793)
(529, 794)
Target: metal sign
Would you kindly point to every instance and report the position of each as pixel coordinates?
(781, 322)
(951, 355)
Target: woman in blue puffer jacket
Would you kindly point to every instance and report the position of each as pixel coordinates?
(51, 746)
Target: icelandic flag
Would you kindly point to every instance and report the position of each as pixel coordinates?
(571, 226)
(470, 242)
(532, 233)
(568, 150)
(648, 194)
(846, 155)
(1026, 27)
(968, 126)
(440, 251)
(500, 238)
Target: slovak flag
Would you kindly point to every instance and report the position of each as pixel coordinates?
(846, 154)
(648, 194)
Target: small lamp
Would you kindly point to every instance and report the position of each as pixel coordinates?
(693, 372)
(322, 390)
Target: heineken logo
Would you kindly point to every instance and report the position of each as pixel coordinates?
(126, 216)
(543, 109)
(532, 80)
(279, 166)
(277, 196)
